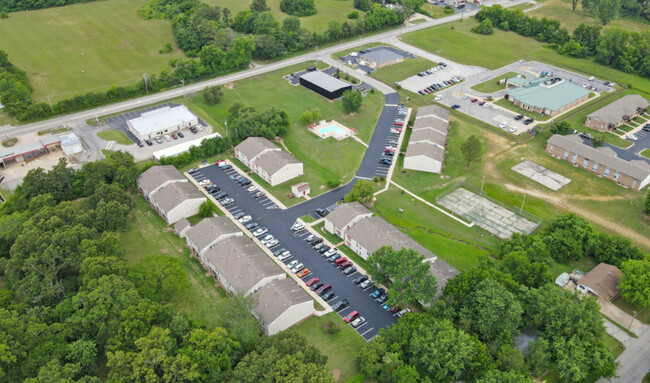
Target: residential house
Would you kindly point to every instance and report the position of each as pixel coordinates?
(602, 282)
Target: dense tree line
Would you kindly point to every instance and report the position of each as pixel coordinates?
(246, 121)
(615, 47)
(23, 5)
(72, 310)
(299, 8)
(208, 147)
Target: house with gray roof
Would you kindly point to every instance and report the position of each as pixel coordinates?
(601, 161)
(443, 272)
(240, 265)
(181, 227)
(177, 200)
(280, 305)
(549, 96)
(345, 216)
(156, 177)
(426, 148)
(208, 232)
(379, 58)
(435, 111)
(617, 113)
(268, 161)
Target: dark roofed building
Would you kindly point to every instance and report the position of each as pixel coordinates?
(602, 281)
(324, 84)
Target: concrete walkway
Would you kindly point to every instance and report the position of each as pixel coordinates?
(433, 206)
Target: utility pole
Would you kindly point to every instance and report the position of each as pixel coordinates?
(183, 82)
(50, 102)
(144, 77)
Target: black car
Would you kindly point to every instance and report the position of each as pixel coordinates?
(528, 121)
(324, 249)
(316, 286)
(181, 135)
(252, 225)
(148, 142)
(221, 195)
(246, 182)
(340, 305)
(316, 241)
(278, 252)
(455, 106)
(327, 296)
(226, 167)
(360, 279)
(321, 212)
(518, 117)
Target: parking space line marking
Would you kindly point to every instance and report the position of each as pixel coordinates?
(367, 331)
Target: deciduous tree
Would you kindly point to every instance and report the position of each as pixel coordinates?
(472, 149)
(635, 282)
(351, 101)
(362, 192)
(158, 276)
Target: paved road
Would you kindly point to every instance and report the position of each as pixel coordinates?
(634, 362)
(146, 100)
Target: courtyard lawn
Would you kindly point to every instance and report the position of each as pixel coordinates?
(502, 102)
(561, 10)
(341, 348)
(456, 42)
(435, 11)
(324, 160)
(403, 70)
(645, 153)
(201, 299)
(492, 85)
(115, 135)
(81, 48)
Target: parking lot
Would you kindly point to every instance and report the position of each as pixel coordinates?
(277, 223)
(353, 58)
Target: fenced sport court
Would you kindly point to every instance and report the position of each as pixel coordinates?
(494, 216)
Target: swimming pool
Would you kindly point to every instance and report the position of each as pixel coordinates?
(332, 129)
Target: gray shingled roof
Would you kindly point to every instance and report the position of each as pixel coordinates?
(276, 297)
(425, 149)
(604, 156)
(373, 233)
(242, 262)
(430, 135)
(275, 160)
(443, 273)
(253, 146)
(614, 112)
(176, 193)
(155, 176)
(431, 122)
(181, 224)
(381, 56)
(207, 231)
(325, 81)
(433, 110)
(346, 212)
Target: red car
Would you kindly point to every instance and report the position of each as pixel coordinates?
(481, 103)
(399, 123)
(312, 281)
(174, 136)
(474, 99)
(351, 316)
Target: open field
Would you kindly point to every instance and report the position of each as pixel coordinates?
(435, 11)
(85, 47)
(202, 299)
(299, 141)
(341, 348)
(115, 135)
(328, 10)
(456, 42)
(491, 85)
(403, 70)
(561, 10)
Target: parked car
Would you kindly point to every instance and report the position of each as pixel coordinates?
(261, 231)
(351, 316)
(483, 104)
(382, 298)
(455, 106)
(149, 142)
(246, 182)
(181, 135)
(327, 296)
(340, 305)
(519, 117)
(402, 312)
(349, 270)
(360, 279)
(377, 293)
(503, 125)
(438, 98)
(227, 201)
(278, 252)
(298, 226)
(167, 138)
(358, 322)
(312, 281)
(267, 238)
(226, 167)
(174, 136)
(239, 215)
(303, 273)
(339, 261)
(474, 100)
(322, 212)
(385, 161)
(284, 255)
(324, 249)
(251, 188)
(259, 194)
(310, 237)
(365, 284)
(139, 143)
(158, 139)
(512, 129)
(330, 252)
(324, 289)
(316, 286)
(345, 265)
(528, 121)
(334, 257)
(271, 243)
(316, 241)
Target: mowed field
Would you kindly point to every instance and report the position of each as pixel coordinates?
(328, 10)
(85, 47)
(570, 19)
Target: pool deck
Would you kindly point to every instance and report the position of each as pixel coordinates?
(339, 134)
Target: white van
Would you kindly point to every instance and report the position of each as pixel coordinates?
(592, 78)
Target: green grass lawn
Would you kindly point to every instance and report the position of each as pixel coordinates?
(403, 70)
(316, 154)
(585, 265)
(328, 10)
(434, 11)
(456, 42)
(645, 153)
(341, 348)
(509, 105)
(202, 299)
(492, 85)
(307, 218)
(642, 314)
(626, 128)
(333, 239)
(561, 10)
(115, 135)
(85, 47)
(613, 345)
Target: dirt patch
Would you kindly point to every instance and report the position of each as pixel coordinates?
(230, 85)
(164, 251)
(336, 373)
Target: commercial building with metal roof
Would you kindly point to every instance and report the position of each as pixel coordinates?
(548, 96)
(617, 113)
(177, 200)
(344, 216)
(29, 151)
(161, 121)
(602, 161)
(280, 305)
(324, 84)
(426, 148)
(380, 58)
(182, 147)
(268, 161)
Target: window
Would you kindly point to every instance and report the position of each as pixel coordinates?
(585, 162)
(566, 154)
(607, 172)
(595, 167)
(616, 176)
(575, 158)
(634, 184)
(550, 148)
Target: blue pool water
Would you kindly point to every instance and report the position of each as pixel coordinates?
(332, 128)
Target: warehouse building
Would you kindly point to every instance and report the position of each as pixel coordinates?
(28, 152)
(617, 113)
(426, 148)
(548, 96)
(324, 84)
(379, 58)
(268, 161)
(602, 161)
(161, 121)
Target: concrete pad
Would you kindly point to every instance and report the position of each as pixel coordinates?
(540, 174)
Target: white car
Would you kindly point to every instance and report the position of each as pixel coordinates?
(292, 264)
(395, 131)
(330, 252)
(310, 237)
(267, 238)
(251, 189)
(485, 105)
(167, 137)
(465, 97)
(503, 125)
(401, 313)
(271, 243)
(245, 219)
(512, 130)
(284, 255)
(199, 127)
(358, 322)
(632, 137)
(298, 226)
(438, 98)
(260, 232)
(297, 268)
